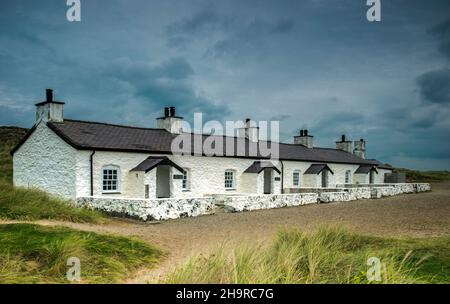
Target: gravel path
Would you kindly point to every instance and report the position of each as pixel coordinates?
(418, 215)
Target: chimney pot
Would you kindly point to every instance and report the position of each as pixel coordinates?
(172, 111)
(343, 137)
(49, 95)
(166, 112)
(306, 133)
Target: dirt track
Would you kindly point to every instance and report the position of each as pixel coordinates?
(418, 215)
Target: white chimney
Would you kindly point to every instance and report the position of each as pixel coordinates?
(170, 122)
(249, 131)
(304, 139)
(360, 148)
(344, 145)
(49, 110)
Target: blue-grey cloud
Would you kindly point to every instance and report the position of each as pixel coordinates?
(166, 84)
(442, 32)
(314, 64)
(435, 86)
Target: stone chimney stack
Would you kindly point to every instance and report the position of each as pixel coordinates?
(249, 131)
(170, 122)
(49, 110)
(344, 144)
(360, 148)
(304, 139)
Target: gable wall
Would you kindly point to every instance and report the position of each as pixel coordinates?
(46, 162)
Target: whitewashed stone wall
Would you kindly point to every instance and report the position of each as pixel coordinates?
(345, 195)
(152, 209)
(423, 187)
(269, 201)
(46, 162)
(396, 189)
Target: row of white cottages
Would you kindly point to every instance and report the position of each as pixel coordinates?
(72, 158)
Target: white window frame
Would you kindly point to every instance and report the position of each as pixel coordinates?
(349, 181)
(186, 181)
(233, 179)
(299, 173)
(118, 182)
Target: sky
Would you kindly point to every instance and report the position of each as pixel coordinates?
(311, 64)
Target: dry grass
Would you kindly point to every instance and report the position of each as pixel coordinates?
(329, 255)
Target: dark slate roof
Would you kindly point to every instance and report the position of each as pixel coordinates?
(364, 169)
(317, 168)
(101, 136)
(258, 166)
(153, 161)
(85, 135)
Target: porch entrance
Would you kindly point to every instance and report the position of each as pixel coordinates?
(268, 181)
(372, 177)
(324, 179)
(163, 181)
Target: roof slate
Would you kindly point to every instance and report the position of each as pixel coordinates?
(153, 161)
(85, 135)
(317, 168)
(364, 169)
(259, 166)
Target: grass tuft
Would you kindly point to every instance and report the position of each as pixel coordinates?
(35, 254)
(33, 204)
(329, 255)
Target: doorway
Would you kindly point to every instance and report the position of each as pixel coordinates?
(324, 179)
(267, 181)
(372, 177)
(163, 181)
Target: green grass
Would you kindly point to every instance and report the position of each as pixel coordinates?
(35, 254)
(6, 166)
(329, 255)
(424, 176)
(32, 204)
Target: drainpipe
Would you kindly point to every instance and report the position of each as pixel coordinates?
(92, 172)
(282, 177)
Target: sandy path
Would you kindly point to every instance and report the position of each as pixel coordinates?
(419, 215)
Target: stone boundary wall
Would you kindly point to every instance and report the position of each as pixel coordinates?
(396, 189)
(267, 201)
(346, 195)
(172, 208)
(153, 209)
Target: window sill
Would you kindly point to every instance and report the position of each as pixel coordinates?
(186, 190)
(112, 192)
(230, 189)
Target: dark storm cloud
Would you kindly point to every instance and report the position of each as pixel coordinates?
(312, 63)
(166, 84)
(442, 32)
(435, 86)
(251, 37)
(240, 35)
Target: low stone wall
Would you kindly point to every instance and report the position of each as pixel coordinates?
(423, 187)
(345, 195)
(267, 201)
(379, 191)
(171, 208)
(156, 209)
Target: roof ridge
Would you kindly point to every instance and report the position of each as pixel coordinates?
(115, 125)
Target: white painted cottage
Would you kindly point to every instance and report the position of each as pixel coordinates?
(73, 158)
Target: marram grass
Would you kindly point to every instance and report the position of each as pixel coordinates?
(36, 254)
(329, 255)
(32, 204)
